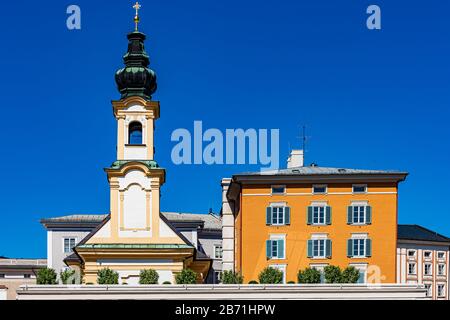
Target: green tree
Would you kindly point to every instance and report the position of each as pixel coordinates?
(46, 276)
(67, 276)
(230, 277)
(107, 276)
(148, 276)
(309, 275)
(350, 275)
(187, 276)
(270, 276)
(332, 274)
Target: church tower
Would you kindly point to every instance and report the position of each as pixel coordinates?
(136, 236)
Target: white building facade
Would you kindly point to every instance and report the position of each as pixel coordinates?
(423, 258)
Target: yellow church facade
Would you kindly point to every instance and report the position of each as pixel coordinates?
(135, 236)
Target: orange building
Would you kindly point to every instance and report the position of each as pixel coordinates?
(311, 216)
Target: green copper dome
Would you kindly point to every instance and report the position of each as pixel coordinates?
(136, 79)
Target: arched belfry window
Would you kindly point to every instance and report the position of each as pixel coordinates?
(135, 133)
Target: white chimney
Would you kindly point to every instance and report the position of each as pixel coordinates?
(295, 159)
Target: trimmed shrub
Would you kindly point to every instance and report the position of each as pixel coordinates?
(148, 276)
(350, 275)
(46, 276)
(107, 276)
(309, 275)
(253, 282)
(187, 276)
(230, 277)
(291, 282)
(67, 276)
(167, 282)
(332, 274)
(270, 276)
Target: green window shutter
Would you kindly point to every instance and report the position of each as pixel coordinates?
(350, 215)
(328, 215)
(328, 248)
(269, 249)
(369, 215)
(310, 248)
(309, 215)
(350, 248)
(268, 216)
(287, 215)
(280, 249)
(368, 247)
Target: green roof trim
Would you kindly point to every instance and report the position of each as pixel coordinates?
(151, 164)
(134, 246)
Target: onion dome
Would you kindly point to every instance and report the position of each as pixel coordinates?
(136, 79)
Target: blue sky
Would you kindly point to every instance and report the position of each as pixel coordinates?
(370, 99)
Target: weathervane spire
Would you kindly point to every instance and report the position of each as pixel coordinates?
(137, 6)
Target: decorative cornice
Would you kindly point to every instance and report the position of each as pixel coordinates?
(151, 106)
(149, 167)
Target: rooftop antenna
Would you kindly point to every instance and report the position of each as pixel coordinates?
(304, 139)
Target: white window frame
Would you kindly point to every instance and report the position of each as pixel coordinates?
(324, 214)
(424, 254)
(321, 268)
(354, 204)
(430, 268)
(360, 245)
(283, 211)
(360, 237)
(216, 246)
(443, 255)
(415, 269)
(282, 268)
(362, 268)
(429, 287)
(276, 237)
(64, 244)
(443, 290)
(319, 237)
(359, 214)
(444, 268)
(320, 186)
(359, 185)
(414, 254)
(278, 193)
(320, 242)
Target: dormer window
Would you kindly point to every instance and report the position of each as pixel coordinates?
(135, 133)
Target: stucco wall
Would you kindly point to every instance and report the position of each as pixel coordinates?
(252, 231)
(208, 243)
(56, 253)
(434, 279)
(13, 285)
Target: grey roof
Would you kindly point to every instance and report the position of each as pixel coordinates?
(23, 262)
(419, 233)
(210, 221)
(77, 218)
(315, 170)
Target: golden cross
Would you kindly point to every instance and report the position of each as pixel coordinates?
(137, 6)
